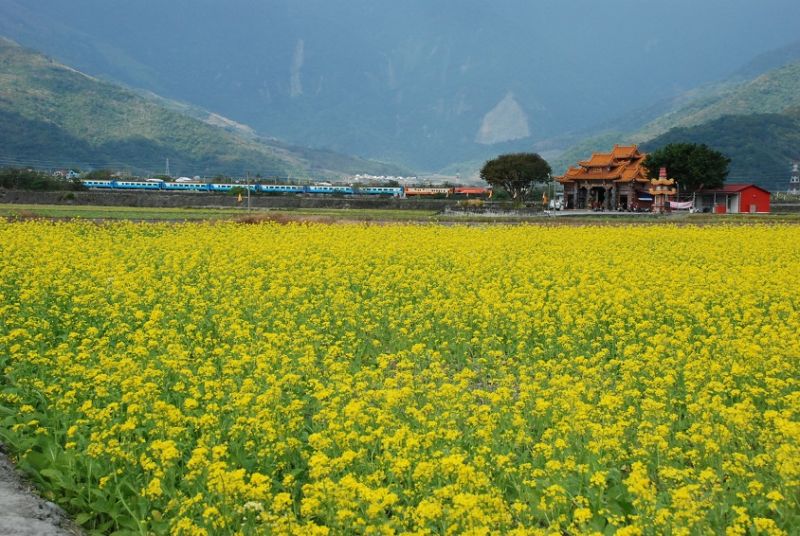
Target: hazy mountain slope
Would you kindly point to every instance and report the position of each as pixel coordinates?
(419, 82)
(769, 83)
(702, 114)
(730, 116)
(52, 114)
(761, 146)
(768, 61)
(771, 92)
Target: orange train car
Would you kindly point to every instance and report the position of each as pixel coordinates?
(467, 191)
(414, 191)
(472, 191)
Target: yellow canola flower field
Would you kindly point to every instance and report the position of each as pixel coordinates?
(307, 379)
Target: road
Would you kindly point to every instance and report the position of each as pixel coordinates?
(23, 513)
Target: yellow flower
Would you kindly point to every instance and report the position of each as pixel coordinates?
(293, 379)
(581, 515)
(153, 489)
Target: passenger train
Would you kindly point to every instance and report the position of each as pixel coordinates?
(328, 189)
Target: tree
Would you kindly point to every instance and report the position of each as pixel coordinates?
(100, 175)
(516, 173)
(693, 166)
(29, 179)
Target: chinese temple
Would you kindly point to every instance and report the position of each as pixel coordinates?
(609, 181)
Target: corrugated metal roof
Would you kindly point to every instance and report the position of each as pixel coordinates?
(731, 188)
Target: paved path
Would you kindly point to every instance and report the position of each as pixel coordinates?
(23, 513)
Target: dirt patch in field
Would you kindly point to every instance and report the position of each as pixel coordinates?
(286, 218)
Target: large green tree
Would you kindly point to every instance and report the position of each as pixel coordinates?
(694, 166)
(516, 173)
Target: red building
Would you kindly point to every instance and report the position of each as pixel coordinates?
(733, 198)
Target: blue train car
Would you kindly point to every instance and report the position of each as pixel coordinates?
(96, 184)
(281, 188)
(221, 187)
(186, 186)
(394, 191)
(322, 189)
(137, 185)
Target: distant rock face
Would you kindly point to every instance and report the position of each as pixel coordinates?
(505, 122)
(229, 124)
(295, 82)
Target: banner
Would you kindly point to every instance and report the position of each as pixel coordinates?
(680, 205)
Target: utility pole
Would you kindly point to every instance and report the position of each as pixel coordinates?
(166, 168)
(247, 185)
(794, 179)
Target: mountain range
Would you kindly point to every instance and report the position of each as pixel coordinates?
(55, 116)
(254, 84)
(419, 83)
(752, 117)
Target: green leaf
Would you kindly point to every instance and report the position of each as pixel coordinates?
(82, 518)
(37, 461)
(52, 474)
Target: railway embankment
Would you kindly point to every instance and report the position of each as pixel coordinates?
(785, 208)
(147, 199)
(202, 200)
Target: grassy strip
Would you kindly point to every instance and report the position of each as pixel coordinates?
(20, 211)
(121, 213)
(150, 213)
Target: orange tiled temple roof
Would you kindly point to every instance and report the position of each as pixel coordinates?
(623, 164)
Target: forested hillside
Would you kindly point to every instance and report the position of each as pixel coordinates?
(761, 146)
(55, 116)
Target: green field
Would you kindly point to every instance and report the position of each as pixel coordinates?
(102, 213)
(179, 214)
